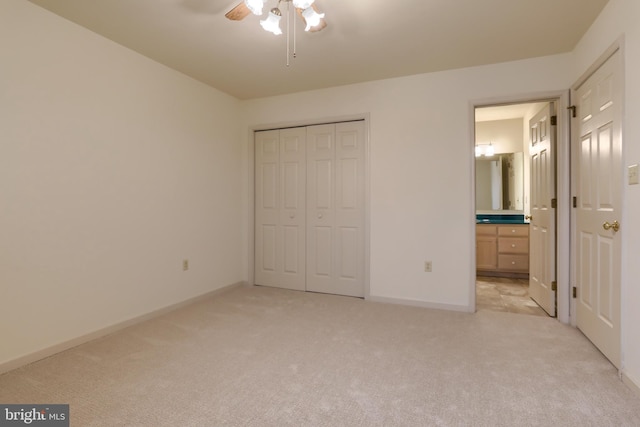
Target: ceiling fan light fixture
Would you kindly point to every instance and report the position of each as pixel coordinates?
(302, 4)
(311, 17)
(255, 6)
(272, 23)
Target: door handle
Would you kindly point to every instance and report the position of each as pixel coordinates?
(292, 215)
(615, 225)
(528, 217)
(319, 215)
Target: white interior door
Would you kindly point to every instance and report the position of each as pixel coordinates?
(598, 185)
(335, 208)
(280, 235)
(542, 251)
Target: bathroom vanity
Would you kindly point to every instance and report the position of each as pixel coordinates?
(502, 246)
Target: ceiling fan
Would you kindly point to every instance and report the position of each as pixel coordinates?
(306, 9)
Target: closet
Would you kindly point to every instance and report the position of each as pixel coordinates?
(309, 208)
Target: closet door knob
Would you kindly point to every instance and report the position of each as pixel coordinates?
(319, 215)
(292, 216)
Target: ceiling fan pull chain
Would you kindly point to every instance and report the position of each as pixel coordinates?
(288, 19)
(294, 35)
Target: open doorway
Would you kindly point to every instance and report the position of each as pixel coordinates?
(514, 178)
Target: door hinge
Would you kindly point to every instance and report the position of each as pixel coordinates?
(554, 286)
(575, 202)
(573, 110)
(575, 292)
(554, 203)
(554, 120)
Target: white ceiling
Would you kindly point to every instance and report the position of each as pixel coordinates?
(365, 39)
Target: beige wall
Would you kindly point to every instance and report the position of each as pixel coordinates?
(113, 169)
(504, 135)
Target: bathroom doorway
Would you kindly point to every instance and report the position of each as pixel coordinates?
(510, 245)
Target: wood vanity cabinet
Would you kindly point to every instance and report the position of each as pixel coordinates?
(486, 247)
(502, 249)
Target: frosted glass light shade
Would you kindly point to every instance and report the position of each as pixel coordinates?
(311, 17)
(302, 4)
(272, 23)
(255, 6)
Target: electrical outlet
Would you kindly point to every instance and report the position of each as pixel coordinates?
(185, 264)
(427, 266)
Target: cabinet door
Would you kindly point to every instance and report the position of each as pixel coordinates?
(486, 253)
(486, 230)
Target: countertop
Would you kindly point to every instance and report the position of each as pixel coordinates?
(500, 219)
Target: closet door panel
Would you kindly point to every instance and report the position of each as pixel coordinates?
(268, 247)
(335, 202)
(267, 181)
(320, 197)
(348, 247)
(280, 208)
(349, 208)
(322, 250)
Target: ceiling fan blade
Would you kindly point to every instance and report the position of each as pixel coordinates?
(238, 13)
(321, 26)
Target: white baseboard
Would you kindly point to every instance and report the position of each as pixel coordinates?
(74, 342)
(631, 383)
(419, 303)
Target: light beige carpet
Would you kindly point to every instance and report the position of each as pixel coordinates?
(267, 357)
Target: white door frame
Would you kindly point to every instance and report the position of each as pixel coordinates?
(563, 190)
(250, 185)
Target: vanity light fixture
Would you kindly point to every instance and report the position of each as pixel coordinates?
(485, 150)
(489, 151)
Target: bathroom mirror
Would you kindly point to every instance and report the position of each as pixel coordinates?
(500, 182)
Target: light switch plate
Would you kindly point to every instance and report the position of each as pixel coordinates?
(633, 174)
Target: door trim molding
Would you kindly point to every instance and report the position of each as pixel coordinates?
(250, 220)
(563, 195)
(600, 60)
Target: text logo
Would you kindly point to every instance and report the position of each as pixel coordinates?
(34, 415)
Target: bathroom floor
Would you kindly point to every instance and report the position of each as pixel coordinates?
(505, 294)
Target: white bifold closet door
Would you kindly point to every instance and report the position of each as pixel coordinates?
(310, 208)
(280, 233)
